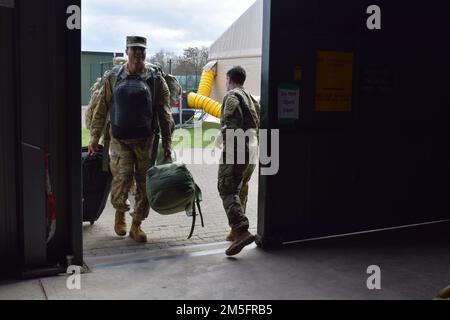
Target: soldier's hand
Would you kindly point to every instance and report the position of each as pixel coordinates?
(167, 152)
(93, 148)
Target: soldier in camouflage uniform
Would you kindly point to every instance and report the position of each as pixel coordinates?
(132, 101)
(239, 111)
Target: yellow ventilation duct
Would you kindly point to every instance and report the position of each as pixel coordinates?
(206, 83)
(201, 100)
(209, 105)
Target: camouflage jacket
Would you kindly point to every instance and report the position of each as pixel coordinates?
(100, 115)
(239, 111)
(95, 91)
(234, 115)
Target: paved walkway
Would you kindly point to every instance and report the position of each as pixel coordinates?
(170, 231)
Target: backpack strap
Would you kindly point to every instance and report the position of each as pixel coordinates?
(245, 109)
(116, 75)
(151, 82)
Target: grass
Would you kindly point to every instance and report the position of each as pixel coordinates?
(182, 139)
(195, 138)
(84, 137)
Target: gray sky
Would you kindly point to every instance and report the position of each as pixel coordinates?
(171, 25)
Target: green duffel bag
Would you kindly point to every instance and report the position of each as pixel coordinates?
(171, 189)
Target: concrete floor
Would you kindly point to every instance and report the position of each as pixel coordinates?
(415, 264)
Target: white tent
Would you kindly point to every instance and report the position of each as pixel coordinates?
(240, 45)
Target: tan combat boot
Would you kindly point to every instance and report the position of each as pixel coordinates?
(120, 226)
(136, 232)
(242, 239)
(231, 236)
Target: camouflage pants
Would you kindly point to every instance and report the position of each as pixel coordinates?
(130, 160)
(233, 189)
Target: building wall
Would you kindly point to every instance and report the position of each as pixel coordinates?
(251, 65)
(379, 156)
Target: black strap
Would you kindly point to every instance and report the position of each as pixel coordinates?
(200, 212)
(194, 215)
(151, 82)
(120, 73)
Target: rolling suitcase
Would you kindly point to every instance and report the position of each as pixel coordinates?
(96, 185)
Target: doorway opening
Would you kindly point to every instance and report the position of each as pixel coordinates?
(181, 49)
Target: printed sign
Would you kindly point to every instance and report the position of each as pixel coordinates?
(334, 86)
(288, 102)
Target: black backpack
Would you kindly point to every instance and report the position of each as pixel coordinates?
(132, 115)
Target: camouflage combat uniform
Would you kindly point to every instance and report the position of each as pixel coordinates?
(131, 158)
(233, 179)
(94, 90)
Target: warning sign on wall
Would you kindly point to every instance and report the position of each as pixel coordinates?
(334, 84)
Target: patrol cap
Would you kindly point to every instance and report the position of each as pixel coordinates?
(136, 41)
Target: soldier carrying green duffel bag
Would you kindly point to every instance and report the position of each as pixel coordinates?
(171, 189)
